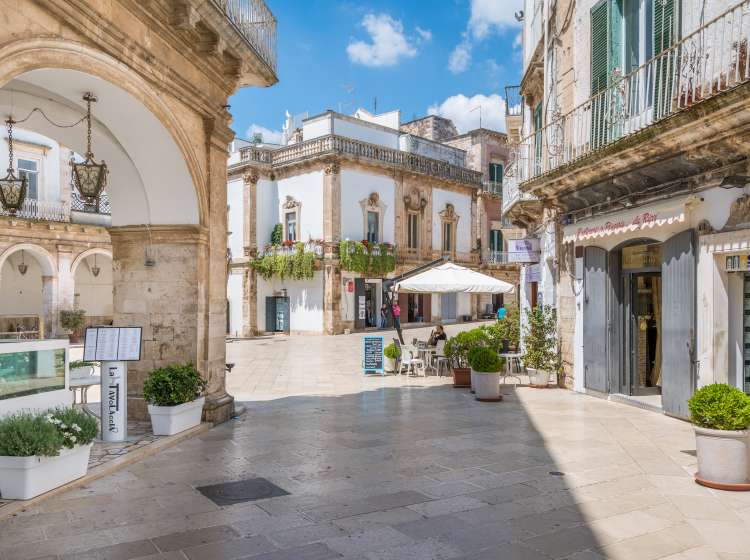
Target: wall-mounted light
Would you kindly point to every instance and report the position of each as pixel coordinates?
(95, 270)
(23, 267)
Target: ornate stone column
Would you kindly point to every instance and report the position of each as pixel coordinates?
(50, 311)
(250, 302)
(62, 290)
(249, 276)
(331, 236)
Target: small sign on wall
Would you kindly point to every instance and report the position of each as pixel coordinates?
(737, 263)
(362, 308)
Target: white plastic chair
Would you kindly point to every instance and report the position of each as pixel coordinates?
(410, 361)
(441, 360)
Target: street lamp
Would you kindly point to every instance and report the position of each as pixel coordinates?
(89, 177)
(12, 188)
(23, 267)
(95, 270)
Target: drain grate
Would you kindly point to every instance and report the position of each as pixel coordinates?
(229, 493)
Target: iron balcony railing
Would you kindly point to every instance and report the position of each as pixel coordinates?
(340, 145)
(101, 206)
(42, 210)
(513, 101)
(315, 247)
(710, 60)
(257, 25)
(512, 193)
(493, 187)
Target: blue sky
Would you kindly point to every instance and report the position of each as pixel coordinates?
(420, 56)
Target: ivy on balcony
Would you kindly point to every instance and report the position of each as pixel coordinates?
(370, 259)
(288, 260)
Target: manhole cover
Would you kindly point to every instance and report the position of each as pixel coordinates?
(228, 493)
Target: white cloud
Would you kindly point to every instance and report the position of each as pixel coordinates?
(269, 136)
(387, 43)
(460, 58)
(424, 34)
(458, 108)
(489, 14)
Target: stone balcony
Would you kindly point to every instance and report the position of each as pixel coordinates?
(675, 121)
(76, 212)
(237, 37)
(358, 151)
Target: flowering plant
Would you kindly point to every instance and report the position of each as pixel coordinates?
(44, 434)
(75, 426)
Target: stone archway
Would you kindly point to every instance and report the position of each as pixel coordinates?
(33, 292)
(163, 157)
(92, 275)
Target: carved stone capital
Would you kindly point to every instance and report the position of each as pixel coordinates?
(333, 168)
(250, 178)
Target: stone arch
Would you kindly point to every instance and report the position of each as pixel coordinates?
(87, 253)
(45, 259)
(26, 56)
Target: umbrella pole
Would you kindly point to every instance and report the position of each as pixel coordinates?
(389, 304)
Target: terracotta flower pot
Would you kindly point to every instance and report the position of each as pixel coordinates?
(461, 377)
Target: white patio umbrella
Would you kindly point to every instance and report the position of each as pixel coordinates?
(450, 278)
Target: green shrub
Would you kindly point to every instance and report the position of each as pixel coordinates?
(508, 329)
(277, 234)
(458, 347)
(362, 257)
(298, 265)
(172, 385)
(392, 351)
(75, 426)
(539, 339)
(72, 319)
(720, 407)
(485, 360)
(82, 363)
(25, 434)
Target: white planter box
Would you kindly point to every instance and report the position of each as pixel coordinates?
(170, 420)
(487, 386)
(390, 365)
(722, 455)
(22, 478)
(473, 380)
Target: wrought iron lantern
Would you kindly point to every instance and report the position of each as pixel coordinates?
(95, 270)
(89, 177)
(12, 186)
(23, 267)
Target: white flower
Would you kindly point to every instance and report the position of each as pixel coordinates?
(73, 439)
(66, 435)
(63, 426)
(76, 427)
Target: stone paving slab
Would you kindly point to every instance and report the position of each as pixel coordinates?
(398, 468)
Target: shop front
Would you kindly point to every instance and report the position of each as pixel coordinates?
(636, 276)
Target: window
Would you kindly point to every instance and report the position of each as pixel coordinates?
(29, 168)
(290, 219)
(447, 237)
(372, 227)
(496, 240)
(496, 172)
(413, 230)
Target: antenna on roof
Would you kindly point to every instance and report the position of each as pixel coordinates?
(480, 114)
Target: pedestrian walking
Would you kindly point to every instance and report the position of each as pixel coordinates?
(396, 315)
(501, 313)
(383, 316)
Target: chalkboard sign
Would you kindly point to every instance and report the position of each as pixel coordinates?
(373, 355)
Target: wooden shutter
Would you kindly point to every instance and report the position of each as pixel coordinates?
(678, 277)
(664, 69)
(595, 286)
(599, 69)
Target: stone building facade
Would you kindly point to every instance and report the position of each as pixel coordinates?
(163, 72)
(642, 175)
(350, 178)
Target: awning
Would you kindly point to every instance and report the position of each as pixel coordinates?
(627, 221)
(450, 278)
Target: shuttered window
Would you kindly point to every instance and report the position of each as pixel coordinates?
(664, 37)
(606, 63)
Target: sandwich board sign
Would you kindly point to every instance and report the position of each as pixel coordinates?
(373, 359)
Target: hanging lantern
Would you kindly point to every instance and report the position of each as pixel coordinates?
(89, 177)
(23, 267)
(12, 187)
(95, 270)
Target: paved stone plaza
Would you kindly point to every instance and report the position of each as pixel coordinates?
(399, 468)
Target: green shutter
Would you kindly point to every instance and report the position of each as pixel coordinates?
(599, 69)
(538, 139)
(664, 69)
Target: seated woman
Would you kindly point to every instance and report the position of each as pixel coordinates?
(438, 333)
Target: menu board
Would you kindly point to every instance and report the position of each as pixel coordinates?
(372, 361)
(112, 344)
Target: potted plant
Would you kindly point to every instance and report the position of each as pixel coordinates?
(485, 370)
(540, 345)
(81, 368)
(173, 394)
(392, 353)
(41, 451)
(457, 351)
(720, 415)
(73, 321)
